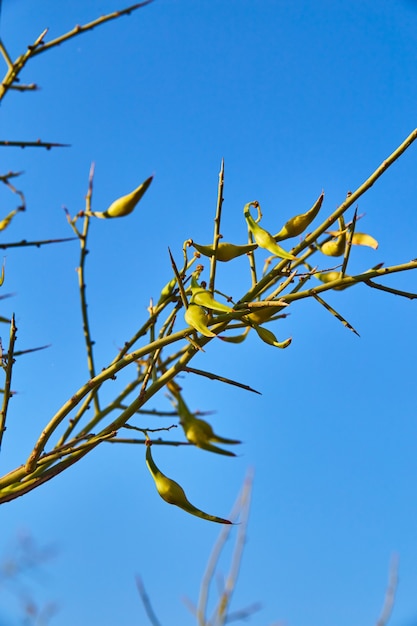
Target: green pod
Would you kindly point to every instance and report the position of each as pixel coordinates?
(167, 290)
(330, 277)
(125, 205)
(197, 318)
(173, 493)
(202, 297)
(199, 432)
(225, 251)
(268, 337)
(263, 238)
(336, 247)
(263, 314)
(297, 224)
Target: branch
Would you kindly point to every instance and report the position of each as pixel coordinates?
(38, 244)
(33, 144)
(7, 386)
(14, 68)
(390, 593)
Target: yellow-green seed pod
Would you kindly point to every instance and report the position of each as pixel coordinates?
(330, 277)
(197, 318)
(4, 223)
(263, 238)
(297, 224)
(166, 292)
(201, 296)
(268, 337)
(336, 247)
(173, 493)
(2, 273)
(125, 205)
(362, 239)
(225, 251)
(235, 338)
(199, 432)
(263, 314)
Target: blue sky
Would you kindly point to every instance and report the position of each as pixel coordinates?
(297, 97)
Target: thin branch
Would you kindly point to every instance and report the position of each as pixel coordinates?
(216, 235)
(241, 506)
(395, 292)
(335, 313)
(38, 244)
(7, 385)
(33, 144)
(82, 287)
(79, 30)
(221, 379)
(390, 593)
(146, 602)
(39, 46)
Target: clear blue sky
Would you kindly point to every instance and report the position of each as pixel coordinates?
(297, 97)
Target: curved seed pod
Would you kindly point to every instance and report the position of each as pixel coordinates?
(235, 338)
(199, 432)
(225, 251)
(196, 317)
(268, 337)
(329, 277)
(204, 298)
(297, 225)
(167, 290)
(263, 314)
(125, 205)
(4, 223)
(336, 247)
(173, 493)
(263, 238)
(362, 239)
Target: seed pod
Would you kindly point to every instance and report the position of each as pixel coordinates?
(263, 238)
(225, 251)
(362, 239)
(196, 317)
(125, 205)
(329, 277)
(263, 314)
(4, 223)
(268, 337)
(297, 225)
(199, 432)
(166, 292)
(173, 493)
(204, 298)
(336, 247)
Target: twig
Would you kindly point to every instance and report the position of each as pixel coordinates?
(7, 385)
(390, 593)
(396, 292)
(39, 46)
(82, 287)
(222, 379)
(38, 244)
(334, 312)
(241, 506)
(33, 144)
(216, 235)
(146, 602)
